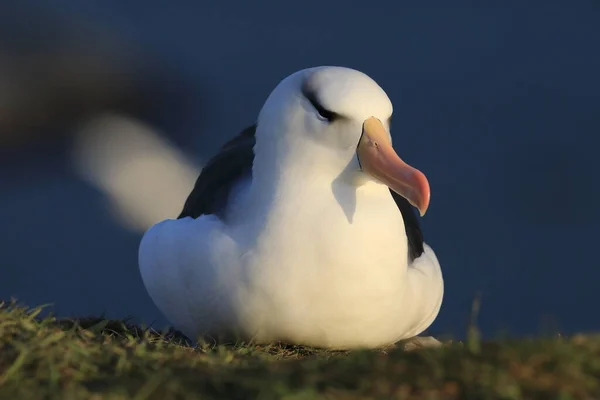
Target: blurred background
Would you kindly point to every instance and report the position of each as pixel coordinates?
(109, 109)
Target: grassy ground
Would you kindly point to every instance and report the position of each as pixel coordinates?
(100, 359)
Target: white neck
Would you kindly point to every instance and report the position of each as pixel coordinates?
(292, 191)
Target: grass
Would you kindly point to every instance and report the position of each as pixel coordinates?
(94, 358)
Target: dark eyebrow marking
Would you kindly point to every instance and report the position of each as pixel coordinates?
(311, 96)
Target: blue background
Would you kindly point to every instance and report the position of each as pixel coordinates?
(498, 104)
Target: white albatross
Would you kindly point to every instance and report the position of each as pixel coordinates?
(301, 228)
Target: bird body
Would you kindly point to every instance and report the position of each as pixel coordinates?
(292, 231)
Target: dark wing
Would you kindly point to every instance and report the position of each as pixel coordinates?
(411, 226)
(234, 160)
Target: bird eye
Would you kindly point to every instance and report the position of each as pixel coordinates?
(326, 114)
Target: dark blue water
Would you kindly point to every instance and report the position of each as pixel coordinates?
(498, 105)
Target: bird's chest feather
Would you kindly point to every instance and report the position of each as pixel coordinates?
(314, 270)
(316, 245)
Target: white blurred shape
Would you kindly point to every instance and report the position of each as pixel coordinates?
(146, 178)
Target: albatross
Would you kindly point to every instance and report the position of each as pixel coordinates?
(301, 229)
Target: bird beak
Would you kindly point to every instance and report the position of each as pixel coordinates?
(377, 158)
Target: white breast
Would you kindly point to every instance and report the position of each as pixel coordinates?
(324, 272)
(315, 263)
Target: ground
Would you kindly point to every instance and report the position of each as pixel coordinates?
(94, 358)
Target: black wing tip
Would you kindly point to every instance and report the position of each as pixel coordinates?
(211, 190)
(412, 227)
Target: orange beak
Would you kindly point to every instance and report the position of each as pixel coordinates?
(377, 158)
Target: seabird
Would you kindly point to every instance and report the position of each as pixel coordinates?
(301, 228)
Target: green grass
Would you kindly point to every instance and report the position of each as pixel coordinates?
(101, 359)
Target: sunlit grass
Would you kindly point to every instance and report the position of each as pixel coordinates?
(68, 359)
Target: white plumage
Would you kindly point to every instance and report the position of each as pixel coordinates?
(309, 248)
